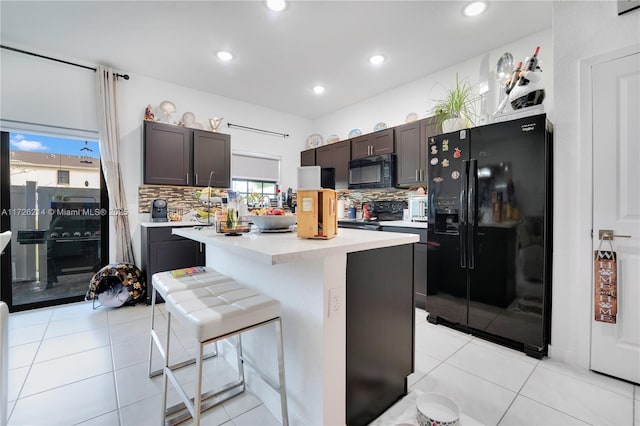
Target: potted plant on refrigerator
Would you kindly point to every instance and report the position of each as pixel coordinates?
(455, 111)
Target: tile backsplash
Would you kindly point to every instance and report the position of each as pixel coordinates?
(183, 197)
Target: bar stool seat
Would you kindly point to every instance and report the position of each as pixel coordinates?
(167, 282)
(215, 312)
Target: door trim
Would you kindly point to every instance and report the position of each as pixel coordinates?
(585, 267)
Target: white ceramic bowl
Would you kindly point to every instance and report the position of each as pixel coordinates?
(273, 221)
(437, 410)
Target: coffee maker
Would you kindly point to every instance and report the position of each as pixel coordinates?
(159, 210)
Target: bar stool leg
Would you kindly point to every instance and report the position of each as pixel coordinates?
(240, 360)
(165, 376)
(197, 399)
(283, 389)
(153, 316)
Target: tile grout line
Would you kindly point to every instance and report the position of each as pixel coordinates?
(518, 392)
(15, 402)
(113, 370)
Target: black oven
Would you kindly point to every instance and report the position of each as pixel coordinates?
(372, 172)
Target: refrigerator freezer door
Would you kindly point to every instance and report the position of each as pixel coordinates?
(447, 293)
(507, 288)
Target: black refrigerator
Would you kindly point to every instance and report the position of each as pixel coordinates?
(490, 232)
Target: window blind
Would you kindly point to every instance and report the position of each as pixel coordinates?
(255, 167)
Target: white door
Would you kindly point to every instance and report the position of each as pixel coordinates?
(615, 348)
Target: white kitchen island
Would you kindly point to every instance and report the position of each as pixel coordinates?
(318, 291)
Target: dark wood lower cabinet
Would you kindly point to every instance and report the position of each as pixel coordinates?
(163, 251)
(419, 261)
(380, 330)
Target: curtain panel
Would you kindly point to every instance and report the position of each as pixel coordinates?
(107, 111)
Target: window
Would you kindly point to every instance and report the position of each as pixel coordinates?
(255, 177)
(255, 191)
(63, 177)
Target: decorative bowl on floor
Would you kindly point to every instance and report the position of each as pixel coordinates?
(436, 410)
(270, 222)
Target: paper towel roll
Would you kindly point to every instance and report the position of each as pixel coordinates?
(340, 209)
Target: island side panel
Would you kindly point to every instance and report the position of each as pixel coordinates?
(380, 330)
(314, 343)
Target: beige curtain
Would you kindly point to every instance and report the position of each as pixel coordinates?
(107, 109)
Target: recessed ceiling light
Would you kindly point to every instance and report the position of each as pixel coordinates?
(224, 55)
(376, 59)
(277, 5)
(475, 8)
(318, 89)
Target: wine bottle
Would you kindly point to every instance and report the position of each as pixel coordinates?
(515, 76)
(532, 63)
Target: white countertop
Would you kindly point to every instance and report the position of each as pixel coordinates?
(404, 224)
(277, 248)
(170, 224)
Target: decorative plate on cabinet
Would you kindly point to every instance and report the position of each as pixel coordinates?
(355, 132)
(314, 140)
(333, 138)
(379, 126)
(411, 117)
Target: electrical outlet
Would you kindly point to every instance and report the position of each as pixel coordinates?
(335, 300)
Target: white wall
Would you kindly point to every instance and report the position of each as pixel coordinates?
(581, 30)
(392, 107)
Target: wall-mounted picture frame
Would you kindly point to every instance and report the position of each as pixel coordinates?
(625, 6)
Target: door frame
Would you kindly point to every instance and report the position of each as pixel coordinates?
(6, 281)
(585, 256)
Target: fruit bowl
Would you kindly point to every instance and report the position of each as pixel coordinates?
(273, 221)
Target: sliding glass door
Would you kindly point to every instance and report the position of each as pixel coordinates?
(54, 202)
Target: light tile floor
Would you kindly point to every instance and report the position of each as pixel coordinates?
(73, 365)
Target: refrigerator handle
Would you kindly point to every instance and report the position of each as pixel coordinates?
(473, 180)
(463, 213)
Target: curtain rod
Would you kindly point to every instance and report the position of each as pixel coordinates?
(284, 135)
(125, 76)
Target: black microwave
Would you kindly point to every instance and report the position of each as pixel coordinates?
(372, 172)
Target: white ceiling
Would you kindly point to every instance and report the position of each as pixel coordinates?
(278, 57)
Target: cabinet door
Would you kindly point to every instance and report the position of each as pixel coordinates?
(428, 129)
(382, 142)
(211, 152)
(361, 147)
(341, 158)
(324, 156)
(308, 157)
(408, 166)
(420, 274)
(167, 154)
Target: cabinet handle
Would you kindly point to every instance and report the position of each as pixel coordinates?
(187, 178)
(416, 175)
(196, 178)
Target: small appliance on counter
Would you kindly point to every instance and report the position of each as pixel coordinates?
(418, 208)
(159, 210)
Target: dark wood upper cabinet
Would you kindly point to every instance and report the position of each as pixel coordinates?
(211, 152)
(167, 154)
(361, 147)
(324, 156)
(176, 155)
(336, 155)
(411, 151)
(342, 156)
(308, 157)
(377, 143)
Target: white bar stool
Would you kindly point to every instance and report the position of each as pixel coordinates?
(212, 313)
(168, 282)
